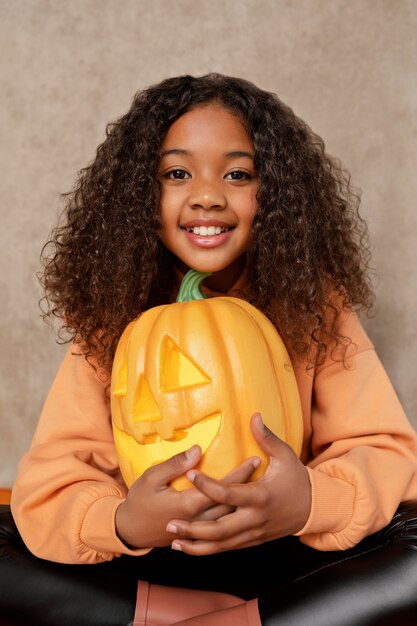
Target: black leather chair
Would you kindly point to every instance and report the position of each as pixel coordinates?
(373, 584)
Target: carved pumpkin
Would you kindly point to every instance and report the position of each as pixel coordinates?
(194, 372)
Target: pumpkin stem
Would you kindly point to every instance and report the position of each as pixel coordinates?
(190, 286)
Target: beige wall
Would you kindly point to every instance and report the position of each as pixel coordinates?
(348, 67)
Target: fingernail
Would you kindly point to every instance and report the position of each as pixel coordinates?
(191, 453)
(256, 462)
(262, 423)
(171, 528)
(258, 417)
(191, 476)
(176, 546)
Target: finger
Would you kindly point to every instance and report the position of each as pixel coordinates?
(176, 466)
(219, 531)
(234, 495)
(203, 547)
(242, 473)
(209, 508)
(215, 512)
(239, 475)
(216, 490)
(269, 442)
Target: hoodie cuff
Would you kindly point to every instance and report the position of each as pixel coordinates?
(332, 502)
(98, 530)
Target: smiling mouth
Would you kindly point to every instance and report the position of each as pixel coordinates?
(207, 231)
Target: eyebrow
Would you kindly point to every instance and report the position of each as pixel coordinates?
(239, 153)
(175, 151)
(230, 155)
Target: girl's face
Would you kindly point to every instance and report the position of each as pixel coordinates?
(208, 193)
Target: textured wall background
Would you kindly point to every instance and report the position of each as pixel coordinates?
(67, 69)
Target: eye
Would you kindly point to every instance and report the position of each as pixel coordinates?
(239, 175)
(177, 174)
(178, 370)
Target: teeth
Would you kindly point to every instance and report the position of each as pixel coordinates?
(207, 231)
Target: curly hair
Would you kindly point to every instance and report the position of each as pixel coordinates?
(105, 264)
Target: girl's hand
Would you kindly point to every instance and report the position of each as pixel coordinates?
(276, 505)
(151, 502)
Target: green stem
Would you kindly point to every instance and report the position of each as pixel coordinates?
(190, 286)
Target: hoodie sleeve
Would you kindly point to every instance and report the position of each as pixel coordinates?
(364, 449)
(69, 485)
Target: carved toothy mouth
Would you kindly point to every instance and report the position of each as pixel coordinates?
(141, 456)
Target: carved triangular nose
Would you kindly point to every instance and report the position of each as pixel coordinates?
(144, 408)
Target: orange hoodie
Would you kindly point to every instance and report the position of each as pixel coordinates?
(359, 447)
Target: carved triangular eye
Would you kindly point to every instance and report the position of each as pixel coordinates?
(178, 370)
(120, 384)
(145, 408)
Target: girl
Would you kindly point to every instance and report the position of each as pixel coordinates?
(215, 174)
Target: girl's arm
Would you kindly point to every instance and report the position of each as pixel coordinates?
(69, 501)
(68, 485)
(364, 448)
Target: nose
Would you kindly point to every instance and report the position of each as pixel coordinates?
(207, 195)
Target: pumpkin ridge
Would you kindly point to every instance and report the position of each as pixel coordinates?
(192, 310)
(290, 399)
(227, 363)
(223, 308)
(257, 318)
